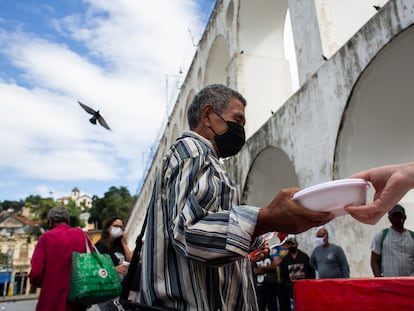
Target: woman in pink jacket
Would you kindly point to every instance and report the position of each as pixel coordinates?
(51, 262)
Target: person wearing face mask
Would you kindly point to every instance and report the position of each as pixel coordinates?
(328, 259)
(198, 235)
(392, 249)
(294, 266)
(113, 242)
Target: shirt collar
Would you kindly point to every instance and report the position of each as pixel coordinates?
(203, 139)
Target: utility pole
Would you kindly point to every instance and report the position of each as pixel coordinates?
(177, 81)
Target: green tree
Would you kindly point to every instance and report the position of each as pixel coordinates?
(39, 206)
(74, 213)
(33, 199)
(14, 205)
(116, 202)
(3, 260)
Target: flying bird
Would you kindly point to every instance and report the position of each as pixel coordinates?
(377, 7)
(95, 116)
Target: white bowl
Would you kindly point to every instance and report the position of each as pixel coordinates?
(334, 195)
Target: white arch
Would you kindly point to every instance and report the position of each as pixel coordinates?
(377, 129)
(262, 53)
(217, 62)
(261, 187)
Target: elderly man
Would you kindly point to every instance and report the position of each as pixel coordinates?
(198, 237)
(51, 261)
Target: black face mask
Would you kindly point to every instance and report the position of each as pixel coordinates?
(231, 141)
(292, 249)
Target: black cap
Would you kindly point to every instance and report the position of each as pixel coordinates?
(58, 213)
(397, 209)
(292, 240)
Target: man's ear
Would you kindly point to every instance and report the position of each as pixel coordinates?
(205, 114)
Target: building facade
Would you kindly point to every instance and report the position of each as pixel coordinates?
(351, 108)
(17, 242)
(84, 201)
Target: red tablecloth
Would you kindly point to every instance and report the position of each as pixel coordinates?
(390, 294)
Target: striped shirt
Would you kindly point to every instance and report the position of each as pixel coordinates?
(196, 228)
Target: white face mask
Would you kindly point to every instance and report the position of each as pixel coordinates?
(320, 241)
(116, 232)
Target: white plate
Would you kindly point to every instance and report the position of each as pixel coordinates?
(334, 195)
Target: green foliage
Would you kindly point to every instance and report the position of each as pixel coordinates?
(34, 199)
(14, 205)
(39, 206)
(74, 213)
(35, 231)
(3, 260)
(116, 202)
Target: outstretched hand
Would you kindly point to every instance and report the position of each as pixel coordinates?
(285, 215)
(391, 183)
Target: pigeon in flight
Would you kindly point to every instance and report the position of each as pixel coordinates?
(96, 116)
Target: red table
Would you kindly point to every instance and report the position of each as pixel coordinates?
(390, 294)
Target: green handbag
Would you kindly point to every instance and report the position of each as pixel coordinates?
(93, 278)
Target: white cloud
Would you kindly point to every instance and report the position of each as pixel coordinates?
(114, 57)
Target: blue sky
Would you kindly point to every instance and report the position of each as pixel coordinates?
(112, 55)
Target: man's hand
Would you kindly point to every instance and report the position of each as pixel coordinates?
(285, 215)
(260, 253)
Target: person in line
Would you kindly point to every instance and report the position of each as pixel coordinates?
(113, 242)
(294, 266)
(198, 235)
(391, 183)
(392, 249)
(52, 261)
(328, 259)
(264, 271)
(277, 252)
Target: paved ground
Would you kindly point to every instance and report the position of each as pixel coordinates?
(18, 298)
(22, 304)
(25, 303)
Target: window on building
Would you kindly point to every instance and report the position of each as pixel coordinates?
(24, 251)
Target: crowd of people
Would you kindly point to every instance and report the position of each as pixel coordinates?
(197, 250)
(287, 263)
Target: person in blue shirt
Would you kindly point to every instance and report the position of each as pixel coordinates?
(328, 259)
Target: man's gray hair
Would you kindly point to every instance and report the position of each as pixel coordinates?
(217, 95)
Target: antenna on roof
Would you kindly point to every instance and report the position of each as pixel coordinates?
(192, 38)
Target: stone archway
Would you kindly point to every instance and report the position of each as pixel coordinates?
(262, 53)
(270, 172)
(377, 129)
(377, 126)
(217, 62)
